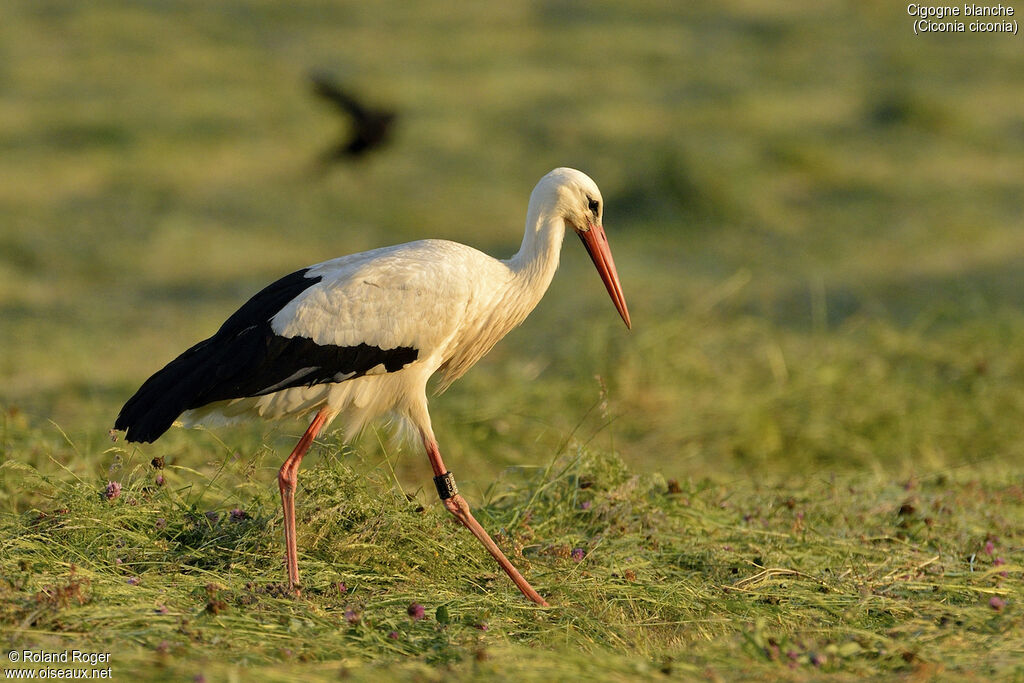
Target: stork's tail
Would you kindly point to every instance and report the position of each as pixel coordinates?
(167, 394)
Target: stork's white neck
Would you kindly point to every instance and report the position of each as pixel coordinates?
(531, 268)
(535, 263)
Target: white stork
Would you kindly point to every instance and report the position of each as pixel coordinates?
(357, 337)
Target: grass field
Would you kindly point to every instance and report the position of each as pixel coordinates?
(803, 463)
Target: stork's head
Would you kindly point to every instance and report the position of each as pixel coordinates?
(577, 200)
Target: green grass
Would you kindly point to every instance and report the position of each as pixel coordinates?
(816, 218)
(852, 575)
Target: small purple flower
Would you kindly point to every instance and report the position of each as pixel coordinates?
(482, 626)
(585, 505)
(214, 517)
(578, 554)
(351, 616)
(818, 659)
(415, 611)
(238, 514)
(112, 491)
(159, 480)
(997, 603)
(393, 635)
(342, 588)
(133, 581)
(990, 547)
(161, 523)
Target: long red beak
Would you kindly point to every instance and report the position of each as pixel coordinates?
(601, 254)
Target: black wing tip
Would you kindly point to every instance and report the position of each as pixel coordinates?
(132, 436)
(140, 430)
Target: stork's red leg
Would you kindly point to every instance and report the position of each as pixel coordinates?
(286, 479)
(458, 506)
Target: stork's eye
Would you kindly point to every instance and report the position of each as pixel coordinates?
(593, 205)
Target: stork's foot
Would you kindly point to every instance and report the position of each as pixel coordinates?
(459, 508)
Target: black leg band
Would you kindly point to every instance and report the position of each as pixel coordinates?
(445, 484)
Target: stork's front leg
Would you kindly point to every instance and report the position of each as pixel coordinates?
(287, 478)
(458, 506)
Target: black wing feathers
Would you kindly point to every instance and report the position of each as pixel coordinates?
(266, 303)
(245, 358)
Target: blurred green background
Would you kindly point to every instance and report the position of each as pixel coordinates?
(816, 216)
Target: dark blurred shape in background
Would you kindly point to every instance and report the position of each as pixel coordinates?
(370, 128)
